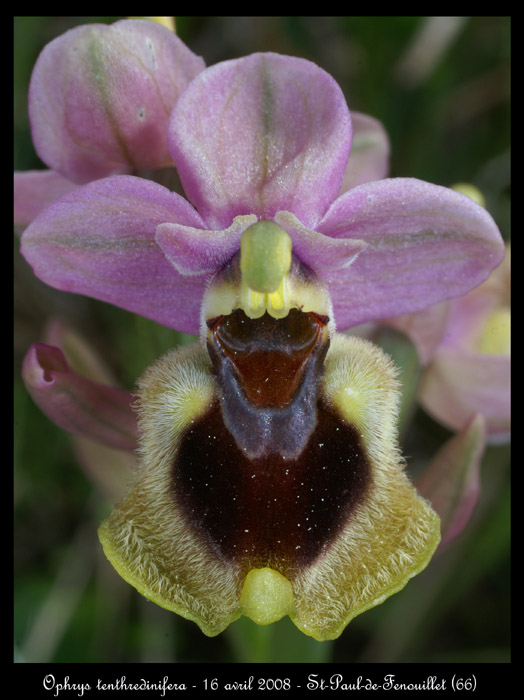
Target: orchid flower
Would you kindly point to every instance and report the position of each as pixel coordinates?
(73, 386)
(464, 346)
(270, 480)
(470, 369)
(107, 92)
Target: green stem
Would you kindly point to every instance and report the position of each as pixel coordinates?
(280, 642)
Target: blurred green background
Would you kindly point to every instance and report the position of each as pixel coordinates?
(441, 88)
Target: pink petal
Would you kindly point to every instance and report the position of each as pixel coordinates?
(452, 481)
(320, 253)
(425, 244)
(193, 251)
(369, 157)
(100, 97)
(77, 404)
(34, 190)
(100, 241)
(258, 135)
(458, 385)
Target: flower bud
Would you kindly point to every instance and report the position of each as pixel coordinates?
(100, 98)
(78, 404)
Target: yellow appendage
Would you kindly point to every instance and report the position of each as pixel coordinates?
(266, 596)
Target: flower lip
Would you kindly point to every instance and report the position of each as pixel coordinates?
(193, 552)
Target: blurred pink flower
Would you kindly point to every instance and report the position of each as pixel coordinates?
(469, 372)
(100, 99)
